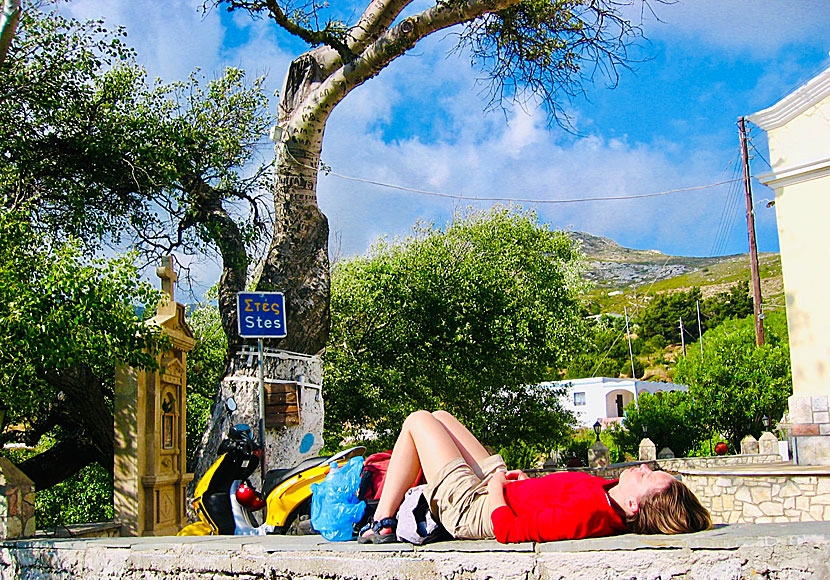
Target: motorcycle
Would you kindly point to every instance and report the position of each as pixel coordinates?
(225, 501)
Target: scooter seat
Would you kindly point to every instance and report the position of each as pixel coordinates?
(274, 477)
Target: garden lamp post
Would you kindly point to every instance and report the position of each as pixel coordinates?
(597, 428)
(3, 409)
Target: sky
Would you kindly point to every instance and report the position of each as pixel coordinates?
(670, 123)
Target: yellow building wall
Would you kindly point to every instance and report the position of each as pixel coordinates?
(798, 129)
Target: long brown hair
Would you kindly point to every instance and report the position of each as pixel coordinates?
(675, 510)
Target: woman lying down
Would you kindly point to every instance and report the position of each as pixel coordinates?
(474, 496)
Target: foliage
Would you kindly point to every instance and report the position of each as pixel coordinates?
(205, 368)
(670, 419)
(663, 314)
(736, 382)
(605, 353)
(540, 48)
(460, 319)
(95, 153)
(56, 312)
(86, 496)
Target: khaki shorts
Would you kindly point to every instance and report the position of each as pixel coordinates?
(458, 498)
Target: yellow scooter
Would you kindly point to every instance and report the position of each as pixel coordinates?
(225, 501)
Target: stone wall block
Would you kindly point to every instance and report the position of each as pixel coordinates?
(743, 494)
(751, 511)
(821, 417)
(648, 450)
(749, 445)
(760, 493)
(599, 455)
(771, 508)
(800, 409)
(768, 443)
(789, 489)
(820, 404)
(823, 499)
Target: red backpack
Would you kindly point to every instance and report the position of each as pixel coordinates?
(374, 475)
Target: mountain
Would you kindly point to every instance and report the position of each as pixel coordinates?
(620, 275)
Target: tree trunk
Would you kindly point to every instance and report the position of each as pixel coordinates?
(297, 262)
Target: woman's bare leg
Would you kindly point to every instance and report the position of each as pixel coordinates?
(471, 449)
(424, 443)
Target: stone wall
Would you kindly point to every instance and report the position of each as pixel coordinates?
(674, 465)
(17, 502)
(789, 552)
(765, 496)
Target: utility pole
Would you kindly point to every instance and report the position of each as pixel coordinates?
(631, 356)
(682, 336)
(753, 248)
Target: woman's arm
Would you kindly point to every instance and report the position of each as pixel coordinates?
(495, 490)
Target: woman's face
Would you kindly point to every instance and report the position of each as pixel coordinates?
(638, 483)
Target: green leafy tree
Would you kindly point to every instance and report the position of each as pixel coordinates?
(205, 368)
(63, 324)
(460, 319)
(670, 419)
(736, 382)
(605, 352)
(734, 303)
(663, 314)
(94, 152)
(91, 155)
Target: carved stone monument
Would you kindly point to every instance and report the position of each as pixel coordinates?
(150, 459)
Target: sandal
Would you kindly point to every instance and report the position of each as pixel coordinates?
(376, 537)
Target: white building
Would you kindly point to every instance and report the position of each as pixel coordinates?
(603, 398)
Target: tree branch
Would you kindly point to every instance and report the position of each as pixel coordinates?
(395, 42)
(378, 16)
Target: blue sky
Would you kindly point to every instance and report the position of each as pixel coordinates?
(669, 124)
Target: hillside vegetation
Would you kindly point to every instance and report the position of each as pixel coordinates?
(627, 277)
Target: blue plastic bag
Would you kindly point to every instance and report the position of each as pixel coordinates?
(334, 505)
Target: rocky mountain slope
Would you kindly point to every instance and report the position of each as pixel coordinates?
(622, 275)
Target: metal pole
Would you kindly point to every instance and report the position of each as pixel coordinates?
(631, 356)
(682, 336)
(261, 410)
(753, 248)
(699, 328)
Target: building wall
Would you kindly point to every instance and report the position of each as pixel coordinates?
(798, 130)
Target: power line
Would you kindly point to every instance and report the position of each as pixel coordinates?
(525, 200)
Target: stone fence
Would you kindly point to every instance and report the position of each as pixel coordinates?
(673, 465)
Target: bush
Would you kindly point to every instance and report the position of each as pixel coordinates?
(671, 419)
(737, 382)
(86, 496)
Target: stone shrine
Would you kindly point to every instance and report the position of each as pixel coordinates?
(150, 435)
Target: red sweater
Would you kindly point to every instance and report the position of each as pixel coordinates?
(559, 506)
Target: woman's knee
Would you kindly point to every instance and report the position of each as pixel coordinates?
(442, 415)
(416, 418)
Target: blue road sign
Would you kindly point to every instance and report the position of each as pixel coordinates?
(261, 314)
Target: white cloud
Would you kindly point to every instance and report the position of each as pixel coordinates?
(748, 26)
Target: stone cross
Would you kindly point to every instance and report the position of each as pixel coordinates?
(168, 276)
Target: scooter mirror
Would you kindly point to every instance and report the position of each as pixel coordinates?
(230, 404)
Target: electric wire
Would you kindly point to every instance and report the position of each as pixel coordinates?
(525, 200)
(327, 170)
(725, 212)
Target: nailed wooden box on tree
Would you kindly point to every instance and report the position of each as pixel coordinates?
(282, 408)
